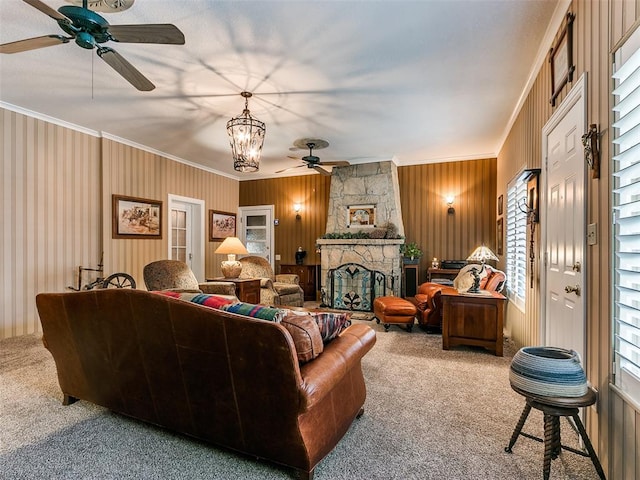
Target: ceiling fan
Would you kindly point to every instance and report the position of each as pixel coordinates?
(90, 30)
(311, 161)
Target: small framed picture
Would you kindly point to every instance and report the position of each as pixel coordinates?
(500, 204)
(136, 218)
(361, 216)
(499, 236)
(561, 59)
(221, 225)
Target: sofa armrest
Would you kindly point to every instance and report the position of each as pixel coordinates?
(320, 375)
(218, 288)
(421, 301)
(430, 288)
(288, 278)
(266, 283)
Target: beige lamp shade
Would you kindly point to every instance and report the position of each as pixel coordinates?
(232, 246)
(482, 254)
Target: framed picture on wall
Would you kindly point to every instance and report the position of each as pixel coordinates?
(499, 236)
(500, 204)
(561, 59)
(136, 217)
(361, 216)
(221, 225)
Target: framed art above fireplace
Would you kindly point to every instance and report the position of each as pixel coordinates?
(359, 216)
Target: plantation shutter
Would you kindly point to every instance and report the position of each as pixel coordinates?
(516, 243)
(626, 219)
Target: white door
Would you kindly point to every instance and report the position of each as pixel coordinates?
(186, 232)
(564, 217)
(256, 231)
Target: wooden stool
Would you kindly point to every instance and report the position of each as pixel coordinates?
(553, 408)
(390, 310)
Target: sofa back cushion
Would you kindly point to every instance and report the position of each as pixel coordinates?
(169, 274)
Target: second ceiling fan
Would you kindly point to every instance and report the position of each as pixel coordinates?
(312, 161)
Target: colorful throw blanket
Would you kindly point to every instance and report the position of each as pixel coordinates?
(256, 311)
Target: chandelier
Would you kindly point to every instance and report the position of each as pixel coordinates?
(246, 136)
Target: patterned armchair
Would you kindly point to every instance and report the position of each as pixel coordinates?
(428, 300)
(282, 289)
(177, 276)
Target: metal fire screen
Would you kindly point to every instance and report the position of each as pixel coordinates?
(354, 287)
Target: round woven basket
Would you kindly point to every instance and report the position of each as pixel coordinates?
(549, 372)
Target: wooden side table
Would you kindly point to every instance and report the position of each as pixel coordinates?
(473, 319)
(247, 289)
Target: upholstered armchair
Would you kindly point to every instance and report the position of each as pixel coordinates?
(428, 300)
(177, 276)
(282, 289)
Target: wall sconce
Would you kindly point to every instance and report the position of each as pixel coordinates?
(297, 208)
(450, 209)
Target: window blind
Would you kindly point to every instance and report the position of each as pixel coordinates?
(516, 243)
(626, 219)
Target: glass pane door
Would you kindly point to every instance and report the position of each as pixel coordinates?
(257, 230)
(179, 234)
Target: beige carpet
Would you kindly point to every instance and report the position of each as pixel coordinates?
(429, 414)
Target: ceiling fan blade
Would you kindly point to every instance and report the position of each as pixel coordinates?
(33, 43)
(321, 170)
(290, 168)
(150, 33)
(46, 9)
(124, 68)
(339, 163)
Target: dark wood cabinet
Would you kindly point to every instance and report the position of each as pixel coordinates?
(307, 276)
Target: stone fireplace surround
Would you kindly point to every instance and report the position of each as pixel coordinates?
(380, 255)
(366, 184)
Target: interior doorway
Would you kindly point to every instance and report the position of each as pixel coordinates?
(256, 231)
(186, 232)
(563, 289)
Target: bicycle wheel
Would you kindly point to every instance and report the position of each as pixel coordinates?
(119, 280)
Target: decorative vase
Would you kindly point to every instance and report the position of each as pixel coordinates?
(549, 372)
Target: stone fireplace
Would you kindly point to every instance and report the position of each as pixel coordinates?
(356, 267)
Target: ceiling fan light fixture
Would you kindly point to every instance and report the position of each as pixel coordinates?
(246, 136)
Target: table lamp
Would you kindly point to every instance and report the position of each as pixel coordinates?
(232, 246)
(480, 254)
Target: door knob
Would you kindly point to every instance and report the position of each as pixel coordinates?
(570, 289)
(577, 267)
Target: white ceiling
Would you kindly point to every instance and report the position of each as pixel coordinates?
(417, 81)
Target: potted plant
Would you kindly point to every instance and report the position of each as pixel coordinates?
(411, 252)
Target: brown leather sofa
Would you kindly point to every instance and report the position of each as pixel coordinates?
(227, 379)
(428, 299)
